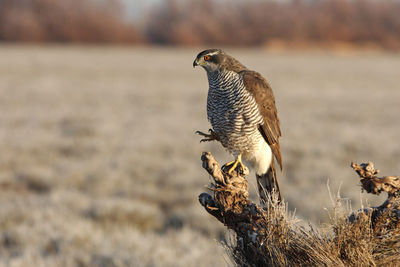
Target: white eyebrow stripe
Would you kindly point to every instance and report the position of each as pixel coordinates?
(213, 53)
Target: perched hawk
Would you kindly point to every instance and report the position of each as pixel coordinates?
(241, 109)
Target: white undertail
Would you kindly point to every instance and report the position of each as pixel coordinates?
(260, 158)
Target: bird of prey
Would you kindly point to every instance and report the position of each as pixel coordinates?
(242, 112)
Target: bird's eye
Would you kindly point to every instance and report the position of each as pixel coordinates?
(206, 58)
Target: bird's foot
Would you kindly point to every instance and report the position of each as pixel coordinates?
(236, 164)
(208, 137)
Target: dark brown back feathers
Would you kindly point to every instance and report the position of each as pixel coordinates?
(262, 92)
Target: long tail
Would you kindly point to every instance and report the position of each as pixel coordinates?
(267, 183)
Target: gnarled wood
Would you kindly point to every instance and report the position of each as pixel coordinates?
(389, 212)
(267, 236)
(373, 184)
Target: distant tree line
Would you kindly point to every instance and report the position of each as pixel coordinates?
(65, 21)
(212, 22)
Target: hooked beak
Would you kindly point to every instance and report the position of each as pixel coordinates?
(195, 63)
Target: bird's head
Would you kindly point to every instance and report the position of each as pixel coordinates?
(216, 59)
(210, 59)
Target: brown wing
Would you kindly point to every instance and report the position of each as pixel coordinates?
(262, 92)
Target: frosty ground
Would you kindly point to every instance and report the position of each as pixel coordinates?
(100, 166)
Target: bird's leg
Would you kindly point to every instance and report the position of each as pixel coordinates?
(235, 163)
(208, 137)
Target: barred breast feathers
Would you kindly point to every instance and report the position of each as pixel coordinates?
(233, 112)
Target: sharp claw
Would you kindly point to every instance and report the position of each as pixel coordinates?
(208, 137)
(200, 133)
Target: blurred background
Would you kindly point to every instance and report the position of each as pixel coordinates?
(99, 163)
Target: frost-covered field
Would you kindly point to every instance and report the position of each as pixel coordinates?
(99, 164)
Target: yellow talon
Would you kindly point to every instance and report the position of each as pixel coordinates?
(235, 163)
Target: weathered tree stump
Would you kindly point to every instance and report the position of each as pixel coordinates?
(269, 236)
(230, 203)
(257, 229)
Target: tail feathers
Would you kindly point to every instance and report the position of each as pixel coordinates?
(267, 183)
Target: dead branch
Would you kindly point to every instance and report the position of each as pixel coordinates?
(373, 184)
(389, 212)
